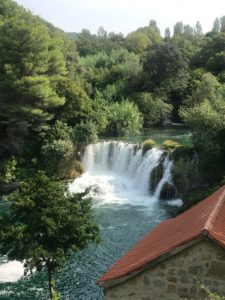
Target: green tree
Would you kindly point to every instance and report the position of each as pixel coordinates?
(188, 31)
(102, 33)
(121, 68)
(166, 72)
(116, 37)
(137, 42)
(216, 25)
(198, 31)
(153, 108)
(206, 90)
(165, 66)
(167, 32)
(45, 224)
(87, 44)
(212, 54)
(178, 28)
(222, 24)
(58, 151)
(154, 26)
(124, 119)
(26, 72)
(208, 124)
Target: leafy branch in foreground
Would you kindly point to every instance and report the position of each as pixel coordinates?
(44, 224)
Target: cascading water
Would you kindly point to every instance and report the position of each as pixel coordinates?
(119, 172)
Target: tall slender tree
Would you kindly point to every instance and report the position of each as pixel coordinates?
(178, 28)
(167, 32)
(222, 24)
(216, 25)
(198, 31)
(154, 26)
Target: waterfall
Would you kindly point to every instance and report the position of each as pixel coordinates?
(119, 172)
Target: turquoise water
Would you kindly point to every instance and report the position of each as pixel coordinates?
(159, 135)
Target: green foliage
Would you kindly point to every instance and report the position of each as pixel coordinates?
(165, 67)
(27, 95)
(203, 116)
(124, 119)
(212, 55)
(75, 99)
(206, 89)
(137, 42)
(88, 44)
(45, 224)
(7, 170)
(153, 108)
(152, 33)
(178, 28)
(147, 145)
(153, 25)
(85, 133)
(120, 68)
(58, 151)
(208, 124)
(170, 145)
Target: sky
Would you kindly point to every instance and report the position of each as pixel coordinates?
(125, 15)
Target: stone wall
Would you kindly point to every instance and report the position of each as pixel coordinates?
(177, 277)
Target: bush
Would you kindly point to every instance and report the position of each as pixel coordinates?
(147, 145)
(124, 119)
(170, 145)
(153, 108)
(85, 133)
(58, 149)
(7, 170)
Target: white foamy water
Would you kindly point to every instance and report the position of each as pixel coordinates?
(11, 271)
(117, 172)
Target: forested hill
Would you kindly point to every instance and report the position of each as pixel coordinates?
(60, 91)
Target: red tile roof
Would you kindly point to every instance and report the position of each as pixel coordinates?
(207, 217)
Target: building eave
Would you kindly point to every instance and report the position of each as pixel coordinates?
(115, 281)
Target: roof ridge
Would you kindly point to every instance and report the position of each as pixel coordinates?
(209, 223)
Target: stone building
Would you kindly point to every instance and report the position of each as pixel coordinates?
(175, 259)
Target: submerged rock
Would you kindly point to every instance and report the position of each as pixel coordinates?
(168, 192)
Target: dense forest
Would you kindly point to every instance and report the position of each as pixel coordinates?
(60, 91)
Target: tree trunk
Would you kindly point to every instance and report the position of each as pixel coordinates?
(50, 287)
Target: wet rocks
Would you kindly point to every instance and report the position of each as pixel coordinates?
(155, 176)
(168, 191)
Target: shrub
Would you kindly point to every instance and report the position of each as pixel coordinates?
(58, 149)
(124, 119)
(147, 145)
(170, 145)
